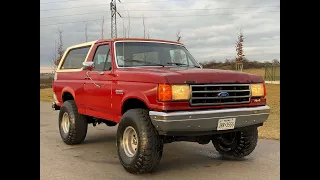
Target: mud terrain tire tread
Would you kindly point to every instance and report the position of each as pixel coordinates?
(78, 128)
(246, 143)
(150, 147)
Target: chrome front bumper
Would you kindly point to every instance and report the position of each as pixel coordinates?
(187, 122)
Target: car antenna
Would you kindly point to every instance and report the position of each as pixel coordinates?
(123, 52)
(124, 35)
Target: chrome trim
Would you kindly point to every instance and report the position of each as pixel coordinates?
(185, 122)
(219, 91)
(119, 91)
(220, 117)
(211, 111)
(213, 104)
(206, 85)
(216, 91)
(228, 97)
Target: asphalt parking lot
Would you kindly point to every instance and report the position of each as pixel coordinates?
(96, 158)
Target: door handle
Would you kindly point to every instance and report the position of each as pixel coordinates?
(86, 78)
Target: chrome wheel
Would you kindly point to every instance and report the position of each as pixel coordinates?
(130, 141)
(65, 123)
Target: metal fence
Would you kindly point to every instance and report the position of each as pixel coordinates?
(272, 73)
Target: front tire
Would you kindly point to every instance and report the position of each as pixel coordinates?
(236, 145)
(72, 125)
(138, 144)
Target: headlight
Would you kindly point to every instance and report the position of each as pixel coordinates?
(180, 92)
(168, 92)
(258, 90)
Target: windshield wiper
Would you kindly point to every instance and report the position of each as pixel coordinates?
(181, 64)
(144, 62)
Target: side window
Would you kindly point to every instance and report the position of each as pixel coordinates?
(75, 58)
(102, 58)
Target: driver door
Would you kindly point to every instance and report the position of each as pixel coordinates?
(99, 88)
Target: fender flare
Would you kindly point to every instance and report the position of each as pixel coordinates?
(135, 95)
(69, 90)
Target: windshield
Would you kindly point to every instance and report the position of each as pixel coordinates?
(132, 54)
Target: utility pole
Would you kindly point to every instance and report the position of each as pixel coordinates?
(114, 12)
(86, 31)
(102, 27)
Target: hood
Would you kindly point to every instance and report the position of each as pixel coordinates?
(180, 75)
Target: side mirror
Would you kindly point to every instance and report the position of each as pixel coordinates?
(88, 66)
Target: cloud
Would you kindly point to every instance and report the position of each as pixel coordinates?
(208, 34)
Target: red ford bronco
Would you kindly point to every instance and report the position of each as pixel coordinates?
(156, 93)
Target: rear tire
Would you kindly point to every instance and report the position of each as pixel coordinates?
(72, 125)
(236, 145)
(145, 151)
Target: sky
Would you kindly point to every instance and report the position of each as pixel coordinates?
(208, 28)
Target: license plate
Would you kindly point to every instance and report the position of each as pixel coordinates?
(225, 124)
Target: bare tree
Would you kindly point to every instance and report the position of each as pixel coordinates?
(60, 50)
(125, 30)
(275, 62)
(178, 35)
(102, 28)
(129, 23)
(86, 31)
(148, 33)
(177, 54)
(267, 63)
(144, 27)
(239, 48)
(54, 58)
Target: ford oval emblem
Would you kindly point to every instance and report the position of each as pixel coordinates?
(223, 94)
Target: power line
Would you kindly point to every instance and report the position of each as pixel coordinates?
(57, 1)
(156, 10)
(104, 4)
(73, 22)
(74, 7)
(158, 17)
(274, 44)
(124, 2)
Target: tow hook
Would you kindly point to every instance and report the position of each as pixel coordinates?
(55, 107)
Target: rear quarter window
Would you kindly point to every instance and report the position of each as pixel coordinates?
(75, 58)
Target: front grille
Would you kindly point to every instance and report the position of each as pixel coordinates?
(205, 95)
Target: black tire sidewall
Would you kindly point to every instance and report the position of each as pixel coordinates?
(78, 124)
(63, 110)
(239, 149)
(150, 148)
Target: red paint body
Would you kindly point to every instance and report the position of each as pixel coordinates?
(138, 83)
